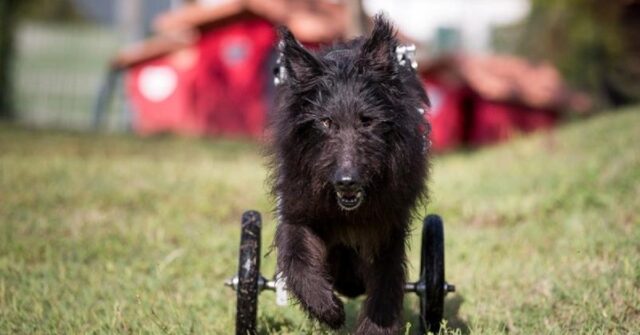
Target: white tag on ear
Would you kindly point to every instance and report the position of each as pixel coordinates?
(282, 298)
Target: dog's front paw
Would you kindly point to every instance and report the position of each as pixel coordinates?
(369, 327)
(330, 313)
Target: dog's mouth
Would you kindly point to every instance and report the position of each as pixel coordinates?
(350, 200)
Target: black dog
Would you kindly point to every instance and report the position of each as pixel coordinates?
(349, 166)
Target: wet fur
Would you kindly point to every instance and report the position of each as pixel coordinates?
(371, 102)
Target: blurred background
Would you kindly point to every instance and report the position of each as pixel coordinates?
(131, 140)
(492, 67)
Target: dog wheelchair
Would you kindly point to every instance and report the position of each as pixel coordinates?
(430, 287)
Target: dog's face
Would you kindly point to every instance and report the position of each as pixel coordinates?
(344, 112)
(352, 126)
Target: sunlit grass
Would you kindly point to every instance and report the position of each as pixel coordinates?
(116, 234)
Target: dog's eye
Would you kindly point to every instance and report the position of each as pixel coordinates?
(326, 123)
(366, 120)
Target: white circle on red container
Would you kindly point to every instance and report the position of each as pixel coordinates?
(157, 82)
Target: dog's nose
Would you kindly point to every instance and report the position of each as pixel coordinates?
(346, 183)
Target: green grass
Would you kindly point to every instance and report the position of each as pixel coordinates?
(115, 234)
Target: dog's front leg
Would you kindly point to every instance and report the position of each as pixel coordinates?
(385, 279)
(301, 258)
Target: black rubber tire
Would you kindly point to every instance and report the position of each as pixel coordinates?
(432, 275)
(248, 274)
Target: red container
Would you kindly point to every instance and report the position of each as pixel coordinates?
(219, 86)
(496, 121)
(445, 115)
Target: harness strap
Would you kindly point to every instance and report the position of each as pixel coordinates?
(405, 55)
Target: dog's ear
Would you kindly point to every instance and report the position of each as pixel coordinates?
(301, 66)
(378, 51)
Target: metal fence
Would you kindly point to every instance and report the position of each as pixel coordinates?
(59, 70)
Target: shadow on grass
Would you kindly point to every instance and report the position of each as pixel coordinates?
(454, 322)
(352, 309)
(268, 324)
(452, 306)
(452, 314)
(275, 325)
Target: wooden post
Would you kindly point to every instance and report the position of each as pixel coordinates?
(357, 18)
(131, 26)
(178, 3)
(130, 20)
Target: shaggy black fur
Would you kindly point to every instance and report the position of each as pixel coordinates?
(348, 167)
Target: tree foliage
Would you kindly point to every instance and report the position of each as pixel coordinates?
(7, 28)
(49, 10)
(11, 12)
(591, 42)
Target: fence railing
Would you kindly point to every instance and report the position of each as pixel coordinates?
(59, 71)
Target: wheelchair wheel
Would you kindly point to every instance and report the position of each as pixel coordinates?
(248, 274)
(432, 275)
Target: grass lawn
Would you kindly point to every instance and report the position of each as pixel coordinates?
(115, 234)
